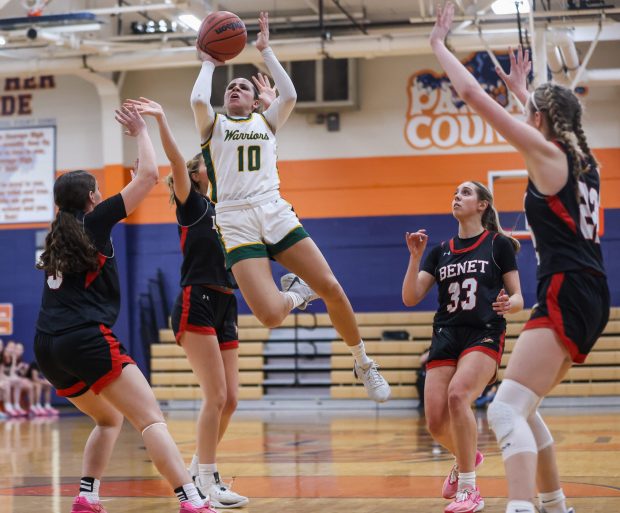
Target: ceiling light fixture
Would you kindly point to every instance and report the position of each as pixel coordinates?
(191, 21)
(510, 6)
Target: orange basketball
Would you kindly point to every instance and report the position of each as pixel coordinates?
(222, 35)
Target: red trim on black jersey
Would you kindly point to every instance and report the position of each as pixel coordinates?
(230, 344)
(559, 145)
(91, 276)
(187, 291)
(184, 230)
(203, 330)
(116, 358)
(555, 321)
(440, 363)
(558, 208)
(484, 235)
(555, 314)
(495, 355)
(72, 390)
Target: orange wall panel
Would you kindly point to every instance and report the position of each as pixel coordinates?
(376, 186)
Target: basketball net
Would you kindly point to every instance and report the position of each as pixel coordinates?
(35, 7)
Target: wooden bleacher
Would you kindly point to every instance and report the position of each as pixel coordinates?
(172, 379)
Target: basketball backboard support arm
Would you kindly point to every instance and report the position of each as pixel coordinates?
(492, 177)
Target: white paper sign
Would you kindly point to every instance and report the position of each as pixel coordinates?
(27, 172)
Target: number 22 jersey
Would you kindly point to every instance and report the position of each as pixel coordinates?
(469, 274)
(565, 225)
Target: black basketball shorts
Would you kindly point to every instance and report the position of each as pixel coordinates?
(575, 305)
(450, 343)
(85, 358)
(202, 309)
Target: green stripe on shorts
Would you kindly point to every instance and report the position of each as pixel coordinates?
(290, 239)
(244, 252)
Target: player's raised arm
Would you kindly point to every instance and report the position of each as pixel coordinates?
(204, 115)
(541, 155)
(283, 105)
(147, 173)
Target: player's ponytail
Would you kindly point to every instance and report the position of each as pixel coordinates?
(68, 249)
(490, 217)
(193, 166)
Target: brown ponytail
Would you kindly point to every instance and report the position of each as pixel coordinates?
(490, 217)
(68, 249)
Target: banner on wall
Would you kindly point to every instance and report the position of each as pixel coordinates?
(438, 118)
(27, 171)
(6, 318)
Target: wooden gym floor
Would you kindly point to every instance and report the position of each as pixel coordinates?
(304, 461)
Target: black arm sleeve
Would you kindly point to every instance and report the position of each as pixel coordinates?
(431, 260)
(193, 209)
(101, 220)
(504, 254)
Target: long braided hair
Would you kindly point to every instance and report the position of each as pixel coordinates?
(564, 112)
(490, 217)
(68, 249)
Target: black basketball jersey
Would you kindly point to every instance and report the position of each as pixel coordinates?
(73, 300)
(565, 226)
(469, 274)
(203, 255)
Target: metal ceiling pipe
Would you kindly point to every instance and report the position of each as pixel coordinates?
(307, 49)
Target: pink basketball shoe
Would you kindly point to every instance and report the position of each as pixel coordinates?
(188, 507)
(81, 505)
(451, 484)
(466, 501)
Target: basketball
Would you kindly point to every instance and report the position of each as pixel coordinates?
(222, 35)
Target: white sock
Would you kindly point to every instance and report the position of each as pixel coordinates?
(520, 506)
(89, 488)
(188, 493)
(48, 405)
(359, 353)
(553, 502)
(467, 480)
(206, 471)
(193, 466)
(295, 298)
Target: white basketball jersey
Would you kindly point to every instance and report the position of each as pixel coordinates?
(241, 158)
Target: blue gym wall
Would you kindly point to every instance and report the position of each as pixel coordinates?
(367, 254)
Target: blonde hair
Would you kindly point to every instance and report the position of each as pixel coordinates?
(490, 217)
(193, 166)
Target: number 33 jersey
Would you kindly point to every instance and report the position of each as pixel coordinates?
(241, 159)
(565, 225)
(469, 275)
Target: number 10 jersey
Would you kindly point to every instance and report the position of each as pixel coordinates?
(241, 159)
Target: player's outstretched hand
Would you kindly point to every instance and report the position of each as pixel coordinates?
(416, 242)
(262, 40)
(146, 107)
(204, 56)
(520, 67)
(443, 23)
(266, 92)
(502, 304)
(130, 118)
